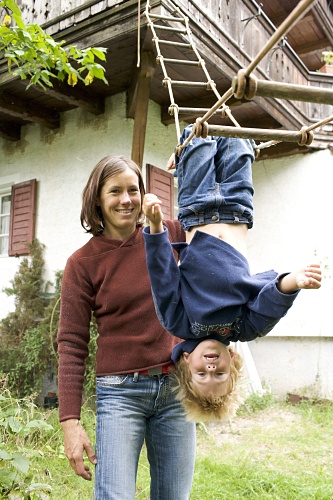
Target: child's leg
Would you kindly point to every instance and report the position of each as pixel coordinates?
(214, 181)
(233, 162)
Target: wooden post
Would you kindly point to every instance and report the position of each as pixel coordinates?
(141, 100)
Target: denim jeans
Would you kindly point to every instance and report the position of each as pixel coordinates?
(215, 181)
(130, 412)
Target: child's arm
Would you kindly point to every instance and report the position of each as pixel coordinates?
(308, 278)
(151, 207)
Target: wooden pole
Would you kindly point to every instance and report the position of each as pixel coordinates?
(278, 90)
(256, 133)
(141, 106)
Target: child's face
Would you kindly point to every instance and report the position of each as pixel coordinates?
(209, 364)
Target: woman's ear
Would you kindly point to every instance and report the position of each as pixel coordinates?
(232, 353)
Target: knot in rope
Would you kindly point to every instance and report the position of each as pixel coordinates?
(200, 129)
(225, 111)
(307, 137)
(239, 84)
(167, 80)
(244, 86)
(172, 109)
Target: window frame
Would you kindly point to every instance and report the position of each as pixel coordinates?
(4, 192)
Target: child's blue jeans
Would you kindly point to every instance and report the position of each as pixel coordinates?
(215, 181)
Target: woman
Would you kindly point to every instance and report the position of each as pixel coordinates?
(135, 402)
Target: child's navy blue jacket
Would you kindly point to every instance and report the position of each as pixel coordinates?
(212, 290)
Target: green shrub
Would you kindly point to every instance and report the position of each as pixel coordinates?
(28, 348)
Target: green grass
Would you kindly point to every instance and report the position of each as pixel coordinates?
(272, 450)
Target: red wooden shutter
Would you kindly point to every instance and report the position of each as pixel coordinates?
(22, 217)
(161, 183)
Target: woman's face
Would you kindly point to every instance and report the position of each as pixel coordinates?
(120, 203)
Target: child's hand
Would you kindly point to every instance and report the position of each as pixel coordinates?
(309, 277)
(151, 207)
(171, 162)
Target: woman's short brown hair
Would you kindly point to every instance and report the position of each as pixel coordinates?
(201, 408)
(91, 215)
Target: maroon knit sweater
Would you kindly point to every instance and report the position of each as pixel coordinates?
(110, 278)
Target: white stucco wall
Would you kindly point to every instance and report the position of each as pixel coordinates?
(61, 161)
(292, 208)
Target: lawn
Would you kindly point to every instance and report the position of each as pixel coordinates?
(271, 450)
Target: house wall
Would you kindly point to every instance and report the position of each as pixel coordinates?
(292, 198)
(61, 161)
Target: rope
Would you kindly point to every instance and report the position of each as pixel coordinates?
(138, 35)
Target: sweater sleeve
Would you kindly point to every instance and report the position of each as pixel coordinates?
(73, 338)
(164, 277)
(263, 312)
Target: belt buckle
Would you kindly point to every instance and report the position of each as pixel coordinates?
(155, 371)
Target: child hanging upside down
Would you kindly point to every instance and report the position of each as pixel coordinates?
(211, 299)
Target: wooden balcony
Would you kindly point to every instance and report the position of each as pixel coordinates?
(228, 36)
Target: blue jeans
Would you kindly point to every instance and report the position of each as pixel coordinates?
(130, 412)
(215, 181)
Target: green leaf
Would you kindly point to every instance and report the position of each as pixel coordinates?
(18, 19)
(14, 424)
(99, 52)
(4, 455)
(39, 487)
(21, 463)
(39, 424)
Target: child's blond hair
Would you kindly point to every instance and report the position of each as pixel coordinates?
(200, 408)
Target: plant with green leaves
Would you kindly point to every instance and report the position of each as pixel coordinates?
(26, 349)
(36, 55)
(28, 346)
(20, 430)
(327, 57)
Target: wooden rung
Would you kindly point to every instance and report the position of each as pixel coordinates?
(168, 28)
(180, 83)
(167, 18)
(256, 133)
(177, 44)
(196, 111)
(181, 61)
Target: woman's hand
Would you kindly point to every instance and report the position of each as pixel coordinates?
(76, 443)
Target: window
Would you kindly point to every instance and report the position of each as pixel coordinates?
(22, 217)
(4, 222)
(161, 183)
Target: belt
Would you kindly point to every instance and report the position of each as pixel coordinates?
(157, 370)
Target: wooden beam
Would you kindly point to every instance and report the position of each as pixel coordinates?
(10, 131)
(139, 101)
(16, 107)
(75, 96)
